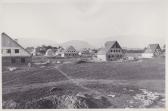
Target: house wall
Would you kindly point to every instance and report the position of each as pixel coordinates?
(114, 54)
(102, 57)
(22, 52)
(157, 52)
(147, 55)
(72, 54)
(7, 61)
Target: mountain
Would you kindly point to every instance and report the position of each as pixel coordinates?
(28, 42)
(129, 41)
(78, 44)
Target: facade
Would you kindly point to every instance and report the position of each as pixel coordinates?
(71, 52)
(12, 52)
(153, 50)
(111, 52)
(85, 52)
(60, 53)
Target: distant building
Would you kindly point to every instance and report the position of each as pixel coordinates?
(32, 50)
(60, 53)
(85, 52)
(112, 51)
(71, 52)
(50, 53)
(12, 52)
(152, 50)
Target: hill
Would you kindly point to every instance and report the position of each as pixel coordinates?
(77, 44)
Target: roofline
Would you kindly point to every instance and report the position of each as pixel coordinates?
(15, 42)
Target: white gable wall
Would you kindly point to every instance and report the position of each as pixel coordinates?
(22, 52)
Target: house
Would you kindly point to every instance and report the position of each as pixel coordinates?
(60, 53)
(85, 52)
(112, 51)
(50, 53)
(12, 52)
(153, 50)
(71, 52)
(32, 50)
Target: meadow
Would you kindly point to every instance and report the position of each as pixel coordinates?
(102, 78)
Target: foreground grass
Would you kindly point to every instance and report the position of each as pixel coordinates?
(107, 78)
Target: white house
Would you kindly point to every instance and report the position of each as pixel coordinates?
(153, 50)
(12, 52)
(60, 53)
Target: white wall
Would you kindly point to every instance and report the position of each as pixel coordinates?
(147, 55)
(102, 57)
(22, 52)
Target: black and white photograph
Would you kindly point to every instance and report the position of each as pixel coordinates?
(83, 54)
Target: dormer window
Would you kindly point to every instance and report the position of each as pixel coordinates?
(16, 50)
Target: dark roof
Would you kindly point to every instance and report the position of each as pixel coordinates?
(109, 44)
(70, 48)
(151, 48)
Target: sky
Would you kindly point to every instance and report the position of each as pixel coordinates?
(135, 23)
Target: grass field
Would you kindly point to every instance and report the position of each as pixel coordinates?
(40, 75)
(104, 78)
(145, 70)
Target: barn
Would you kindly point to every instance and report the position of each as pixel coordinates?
(153, 50)
(71, 52)
(12, 52)
(111, 52)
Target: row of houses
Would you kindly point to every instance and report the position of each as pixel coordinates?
(14, 53)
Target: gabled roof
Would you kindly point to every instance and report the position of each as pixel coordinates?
(110, 44)
(70, 48)
(151, 48)
(7, 41)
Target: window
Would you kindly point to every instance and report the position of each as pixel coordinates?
(112, 56)
(8, 51)
(16, 50)
(13, 60)
(111, 50)
(23, 60)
